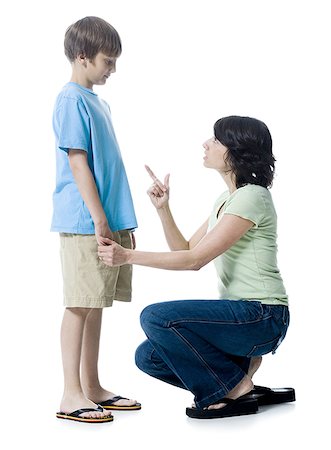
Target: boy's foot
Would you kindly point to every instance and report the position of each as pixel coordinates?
(108, 400)
(73, 404)
(79, 415)
(115, 404)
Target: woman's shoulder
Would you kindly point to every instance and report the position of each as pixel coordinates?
(253, 192)
(221, 198)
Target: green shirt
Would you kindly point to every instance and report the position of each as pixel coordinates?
(248, 270)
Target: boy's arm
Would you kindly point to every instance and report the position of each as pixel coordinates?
(88, 190)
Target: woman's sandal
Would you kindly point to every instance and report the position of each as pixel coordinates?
(239, 407)
(268, 396)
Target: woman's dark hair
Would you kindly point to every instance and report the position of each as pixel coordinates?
(249, 145)
(89, 36)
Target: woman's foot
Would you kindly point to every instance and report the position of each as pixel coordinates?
(70, 404)
(242, 388)
(99, 395)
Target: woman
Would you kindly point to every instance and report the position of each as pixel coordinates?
(213, 347)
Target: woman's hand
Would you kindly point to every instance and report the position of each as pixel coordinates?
(112, 254)
(158, 192)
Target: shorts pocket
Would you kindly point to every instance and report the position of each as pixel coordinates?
(263, 349)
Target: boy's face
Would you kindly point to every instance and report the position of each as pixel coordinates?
(99, 69)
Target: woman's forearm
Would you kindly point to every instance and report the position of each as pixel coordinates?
(174, 237)
(175, 260)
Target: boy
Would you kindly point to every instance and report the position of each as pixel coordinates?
(92, 201)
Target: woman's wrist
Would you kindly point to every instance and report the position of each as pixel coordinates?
(164, 210)
(129, 253)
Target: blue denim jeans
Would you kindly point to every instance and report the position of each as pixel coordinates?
(205, 346)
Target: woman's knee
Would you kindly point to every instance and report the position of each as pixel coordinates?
(148, 316)
(157, 315)
(143, 355)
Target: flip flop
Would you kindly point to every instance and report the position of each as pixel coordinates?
(109, 404)
(268, 396)
(239, 407)
(75, 415)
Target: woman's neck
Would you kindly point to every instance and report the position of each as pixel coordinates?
(229, 180)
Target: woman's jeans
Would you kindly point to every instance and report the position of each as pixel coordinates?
(205, 346)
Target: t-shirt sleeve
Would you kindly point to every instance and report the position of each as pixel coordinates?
(247, 204)
(73, 125)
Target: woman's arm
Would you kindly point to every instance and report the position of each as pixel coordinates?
(159, 195)
(174, 237)
(225, 234)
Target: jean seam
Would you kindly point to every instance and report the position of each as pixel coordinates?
(217, 322)
(199, 357)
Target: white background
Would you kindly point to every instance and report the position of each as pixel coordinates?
(184, 65)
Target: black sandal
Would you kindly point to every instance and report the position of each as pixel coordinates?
(268, 396)
(76, 415)
(239, 407)
(109, 404)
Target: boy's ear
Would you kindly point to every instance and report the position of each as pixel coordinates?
(81, 59)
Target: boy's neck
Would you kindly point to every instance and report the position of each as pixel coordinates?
(81, 79)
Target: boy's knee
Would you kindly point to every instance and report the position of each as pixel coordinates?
(83, 312)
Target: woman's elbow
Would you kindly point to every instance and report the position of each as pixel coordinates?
(198, 264)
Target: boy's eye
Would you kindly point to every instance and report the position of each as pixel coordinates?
(109, 62)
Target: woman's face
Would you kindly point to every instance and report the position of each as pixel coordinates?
(215, 154)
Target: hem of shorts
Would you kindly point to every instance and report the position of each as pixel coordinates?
(122, 295)
(123, 299)
(88, 302)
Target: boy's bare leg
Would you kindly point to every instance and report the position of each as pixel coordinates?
(71, 344)
(89, 361)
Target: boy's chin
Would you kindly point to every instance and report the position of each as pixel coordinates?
(101, 82)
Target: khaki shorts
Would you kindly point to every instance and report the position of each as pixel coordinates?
(87, 281)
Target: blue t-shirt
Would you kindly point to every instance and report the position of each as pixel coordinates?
(82, 121)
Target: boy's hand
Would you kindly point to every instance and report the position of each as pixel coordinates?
(102, 232)
(112, 254)
(133, 241)
(158, 192)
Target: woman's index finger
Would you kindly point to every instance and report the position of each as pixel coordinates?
(151, 173)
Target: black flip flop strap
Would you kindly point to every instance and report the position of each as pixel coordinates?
(118, 397)
(225, 400)
(78, 412)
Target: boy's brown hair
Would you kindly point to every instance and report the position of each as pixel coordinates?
(89, 36)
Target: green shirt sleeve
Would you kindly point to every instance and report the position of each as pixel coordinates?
(247, 202)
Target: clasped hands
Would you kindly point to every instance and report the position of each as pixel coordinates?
(113, 254)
